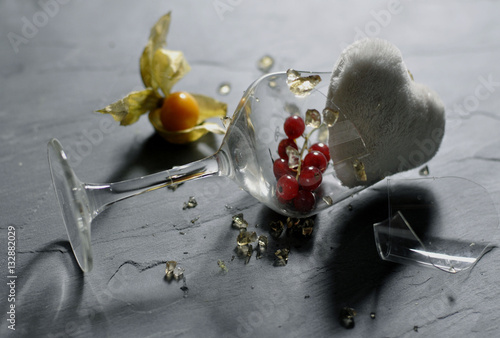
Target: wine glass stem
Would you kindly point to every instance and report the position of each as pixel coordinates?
(103, 195)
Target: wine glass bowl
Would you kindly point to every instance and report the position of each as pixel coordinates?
(246, 156)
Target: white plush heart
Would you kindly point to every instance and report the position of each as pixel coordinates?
(400, 121)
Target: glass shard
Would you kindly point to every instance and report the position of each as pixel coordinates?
(169, 271)
(239, 222)
(313, 118)
(424, 171)
(191, 203)
(330, 116)
(277, 228)
(372, 315)
(301, 85)
(263, 242)
(281, 257)
(359, 170)
(265, 63)
(328, 200)
(226, 121)
(178, 272)
(224, 88)
(246, 237)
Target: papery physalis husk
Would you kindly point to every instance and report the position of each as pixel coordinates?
(131, 107)
(160, 70)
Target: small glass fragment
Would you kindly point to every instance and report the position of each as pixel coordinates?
(273, 84)
(191, 203)
(282, 257)
(239, 222)
(301, 85)
(349, 207)
(265, 63)
(226, 121)
(242, 250)
(359, 170)
(224, 88)
(347, 317)
(246, 237)
(330, 116)
(262, 246)
(194, 220)
(328, 200)
(424, 171)
(178, 272)
(277, 228)
(172, 271)
(249, 254)
(415, 328)
(263, 242)
(313, 118)
(222, 265)
(372, 315)
(293, 157)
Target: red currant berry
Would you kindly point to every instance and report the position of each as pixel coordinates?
(294, 126)
(287, 188)
(280, 168)
(316, 159)
(310, 178)
(283, 145)
(305, 201)
(323, 148)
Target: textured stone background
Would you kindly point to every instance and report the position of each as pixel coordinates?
(84, 55)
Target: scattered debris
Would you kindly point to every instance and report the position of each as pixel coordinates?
(191, 203)
(222, 265)
(239, 222)
(347, 317)
(246, 237)
(372, 315)
(173, 271)
(277, 228)
(282, 257)
(424, 171)
(194, 220)
(415, 328)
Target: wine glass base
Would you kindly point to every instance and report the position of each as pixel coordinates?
(74, 203)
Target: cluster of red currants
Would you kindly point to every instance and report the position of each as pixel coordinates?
(298, 181)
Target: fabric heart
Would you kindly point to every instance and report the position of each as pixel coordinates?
(400, 121)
